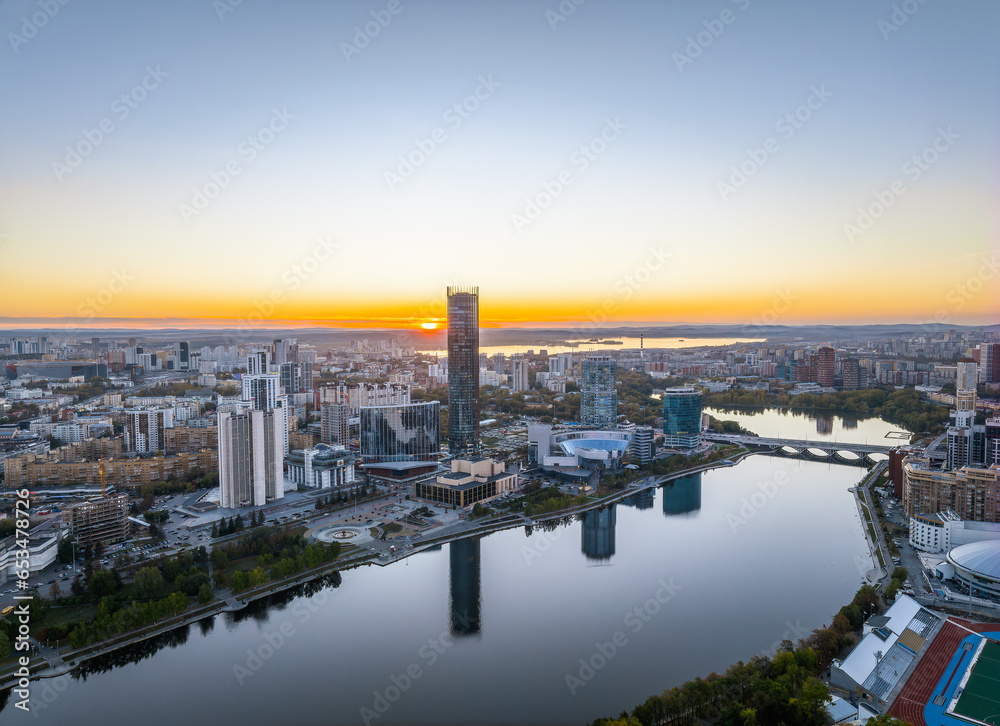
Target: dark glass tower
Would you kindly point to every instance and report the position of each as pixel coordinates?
(463, 370)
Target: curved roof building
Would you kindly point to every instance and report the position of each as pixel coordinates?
(978, 565)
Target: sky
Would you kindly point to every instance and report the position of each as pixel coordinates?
(341, 163)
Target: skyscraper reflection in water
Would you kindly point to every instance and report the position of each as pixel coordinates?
(598, 533)
(682, 496)
(466, 600)
(640, 500)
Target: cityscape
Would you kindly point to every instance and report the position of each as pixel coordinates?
(343, 380)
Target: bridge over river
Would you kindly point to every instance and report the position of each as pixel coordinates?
(838, 451)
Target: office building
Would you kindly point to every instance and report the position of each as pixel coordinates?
(598, 392)
(144, 429)
(642, 449)
(295, 377)
(463, 370)
(286, 351)
(401, 433)
(681, 418)
(364, 394)
(250, 458)
(184, 355)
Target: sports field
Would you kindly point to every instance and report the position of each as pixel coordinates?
(980, 700)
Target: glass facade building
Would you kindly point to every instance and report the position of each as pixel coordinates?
(681, 418)
(410, 432)
(598, 394)
(463, 370)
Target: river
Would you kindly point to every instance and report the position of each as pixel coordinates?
(670, 585)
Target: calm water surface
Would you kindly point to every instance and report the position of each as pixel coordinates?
(687, 579)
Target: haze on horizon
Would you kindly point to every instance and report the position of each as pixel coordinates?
(366, 155)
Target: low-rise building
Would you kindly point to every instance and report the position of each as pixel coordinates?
(41, 552)
(321, 467)
(470, 480)
(942, 531)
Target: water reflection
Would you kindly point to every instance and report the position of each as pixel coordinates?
(848, 422)
(824, 424)
(131, 653)
(466, 599)
(682, 496)
(641, 500)
(597, 538)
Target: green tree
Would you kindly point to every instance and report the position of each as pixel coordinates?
(204, 593)
(148, 583)
(103, 583)
(220, 559)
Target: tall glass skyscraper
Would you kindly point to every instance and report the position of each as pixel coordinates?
(598, 395)
(681, 417)
(463, 370)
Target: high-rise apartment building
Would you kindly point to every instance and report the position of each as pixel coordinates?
(598, 392)
(251, 458)
(519, 374)
(972, 492)
(825, 365)
(144, 429)
(334, 423)
(989, 363)
(463, 370)
(257, 363)
(262, 389)
(853, 375)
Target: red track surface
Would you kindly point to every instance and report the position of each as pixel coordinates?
(909, 705)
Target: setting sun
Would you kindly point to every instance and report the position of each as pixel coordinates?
(429, 326)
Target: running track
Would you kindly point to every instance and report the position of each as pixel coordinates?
(909, 704)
